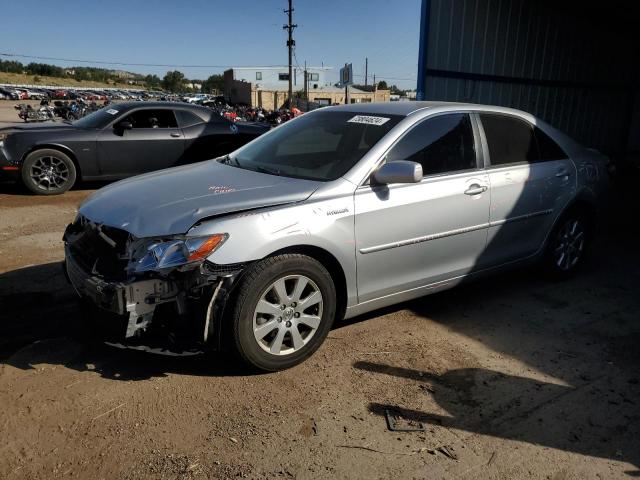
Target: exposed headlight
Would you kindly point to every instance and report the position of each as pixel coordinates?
(178, 252)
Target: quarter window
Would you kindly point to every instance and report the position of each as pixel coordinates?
(440, 144)
(512, 140)
(188, 119)
(547, 148)
(152, 119)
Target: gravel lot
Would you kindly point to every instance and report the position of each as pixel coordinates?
(512, 377)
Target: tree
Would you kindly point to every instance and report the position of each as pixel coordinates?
(173, 81)
(382, 85)
(214, 82)
(152, 81)
(11, 66)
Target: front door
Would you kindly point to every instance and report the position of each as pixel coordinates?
(154, 142)
(409, 236)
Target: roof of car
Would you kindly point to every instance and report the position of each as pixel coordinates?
(201, 111)
(156, 104)
(407, 108)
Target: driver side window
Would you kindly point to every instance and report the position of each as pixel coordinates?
(441, 144)
(159, 118)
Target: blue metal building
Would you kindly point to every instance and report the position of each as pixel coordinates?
(573, 64)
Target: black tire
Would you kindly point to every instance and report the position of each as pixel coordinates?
(254, 285)
(567, 244)
(59, 180)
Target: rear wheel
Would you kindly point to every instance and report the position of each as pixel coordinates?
(284, 310)
(48, 172)
(567, 245)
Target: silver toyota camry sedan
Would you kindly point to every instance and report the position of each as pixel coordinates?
(339, 212)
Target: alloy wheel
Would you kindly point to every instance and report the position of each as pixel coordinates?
(49, 173)
(287, 315)
(570, 242)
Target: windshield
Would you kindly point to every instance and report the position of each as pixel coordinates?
(319, 146)
(97, 119)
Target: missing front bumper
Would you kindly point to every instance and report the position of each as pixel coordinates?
(137, 299)
(180, 314)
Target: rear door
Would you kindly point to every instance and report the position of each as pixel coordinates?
(532, 179)
(154, 142)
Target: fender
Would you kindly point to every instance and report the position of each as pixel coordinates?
(585, 197)
(55, 146)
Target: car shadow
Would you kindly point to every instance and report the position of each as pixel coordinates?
(581, 335)
(492, 403)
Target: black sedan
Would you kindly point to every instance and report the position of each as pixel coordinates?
(117, 141)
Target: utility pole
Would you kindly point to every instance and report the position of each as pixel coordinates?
(374, 80)
(289, 27)
(346, 88)
(306, 82)
(366, 71)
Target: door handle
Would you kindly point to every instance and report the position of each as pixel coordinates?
(175, 135)
(475, 189)
(563, 173)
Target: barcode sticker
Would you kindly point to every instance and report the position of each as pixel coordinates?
(368, 120)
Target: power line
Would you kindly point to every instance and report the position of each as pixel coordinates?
(384, 77)
(170, 65)
(102, 62)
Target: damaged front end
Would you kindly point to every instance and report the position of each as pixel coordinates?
(158, 293)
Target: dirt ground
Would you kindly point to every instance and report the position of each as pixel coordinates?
(511, 377)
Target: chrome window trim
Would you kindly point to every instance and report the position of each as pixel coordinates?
(428, 179)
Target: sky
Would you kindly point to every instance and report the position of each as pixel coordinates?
(218, 33)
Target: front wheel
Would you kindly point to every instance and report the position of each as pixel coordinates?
(567, 244)
(48, 172)
(284, 309)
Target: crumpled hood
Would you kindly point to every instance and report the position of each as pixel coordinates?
(169, 202)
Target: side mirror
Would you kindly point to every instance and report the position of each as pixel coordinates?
(400, 171)
(124, 126)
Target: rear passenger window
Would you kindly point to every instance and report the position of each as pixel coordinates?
(440, 144)
(152, 119)
(512, 140)
(188, 119)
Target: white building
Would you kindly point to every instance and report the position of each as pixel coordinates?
(277, 78)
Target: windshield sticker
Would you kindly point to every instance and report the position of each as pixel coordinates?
(112, 111)
(368, 120)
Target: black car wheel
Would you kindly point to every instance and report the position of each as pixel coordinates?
(283, 311)
(48, 172)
